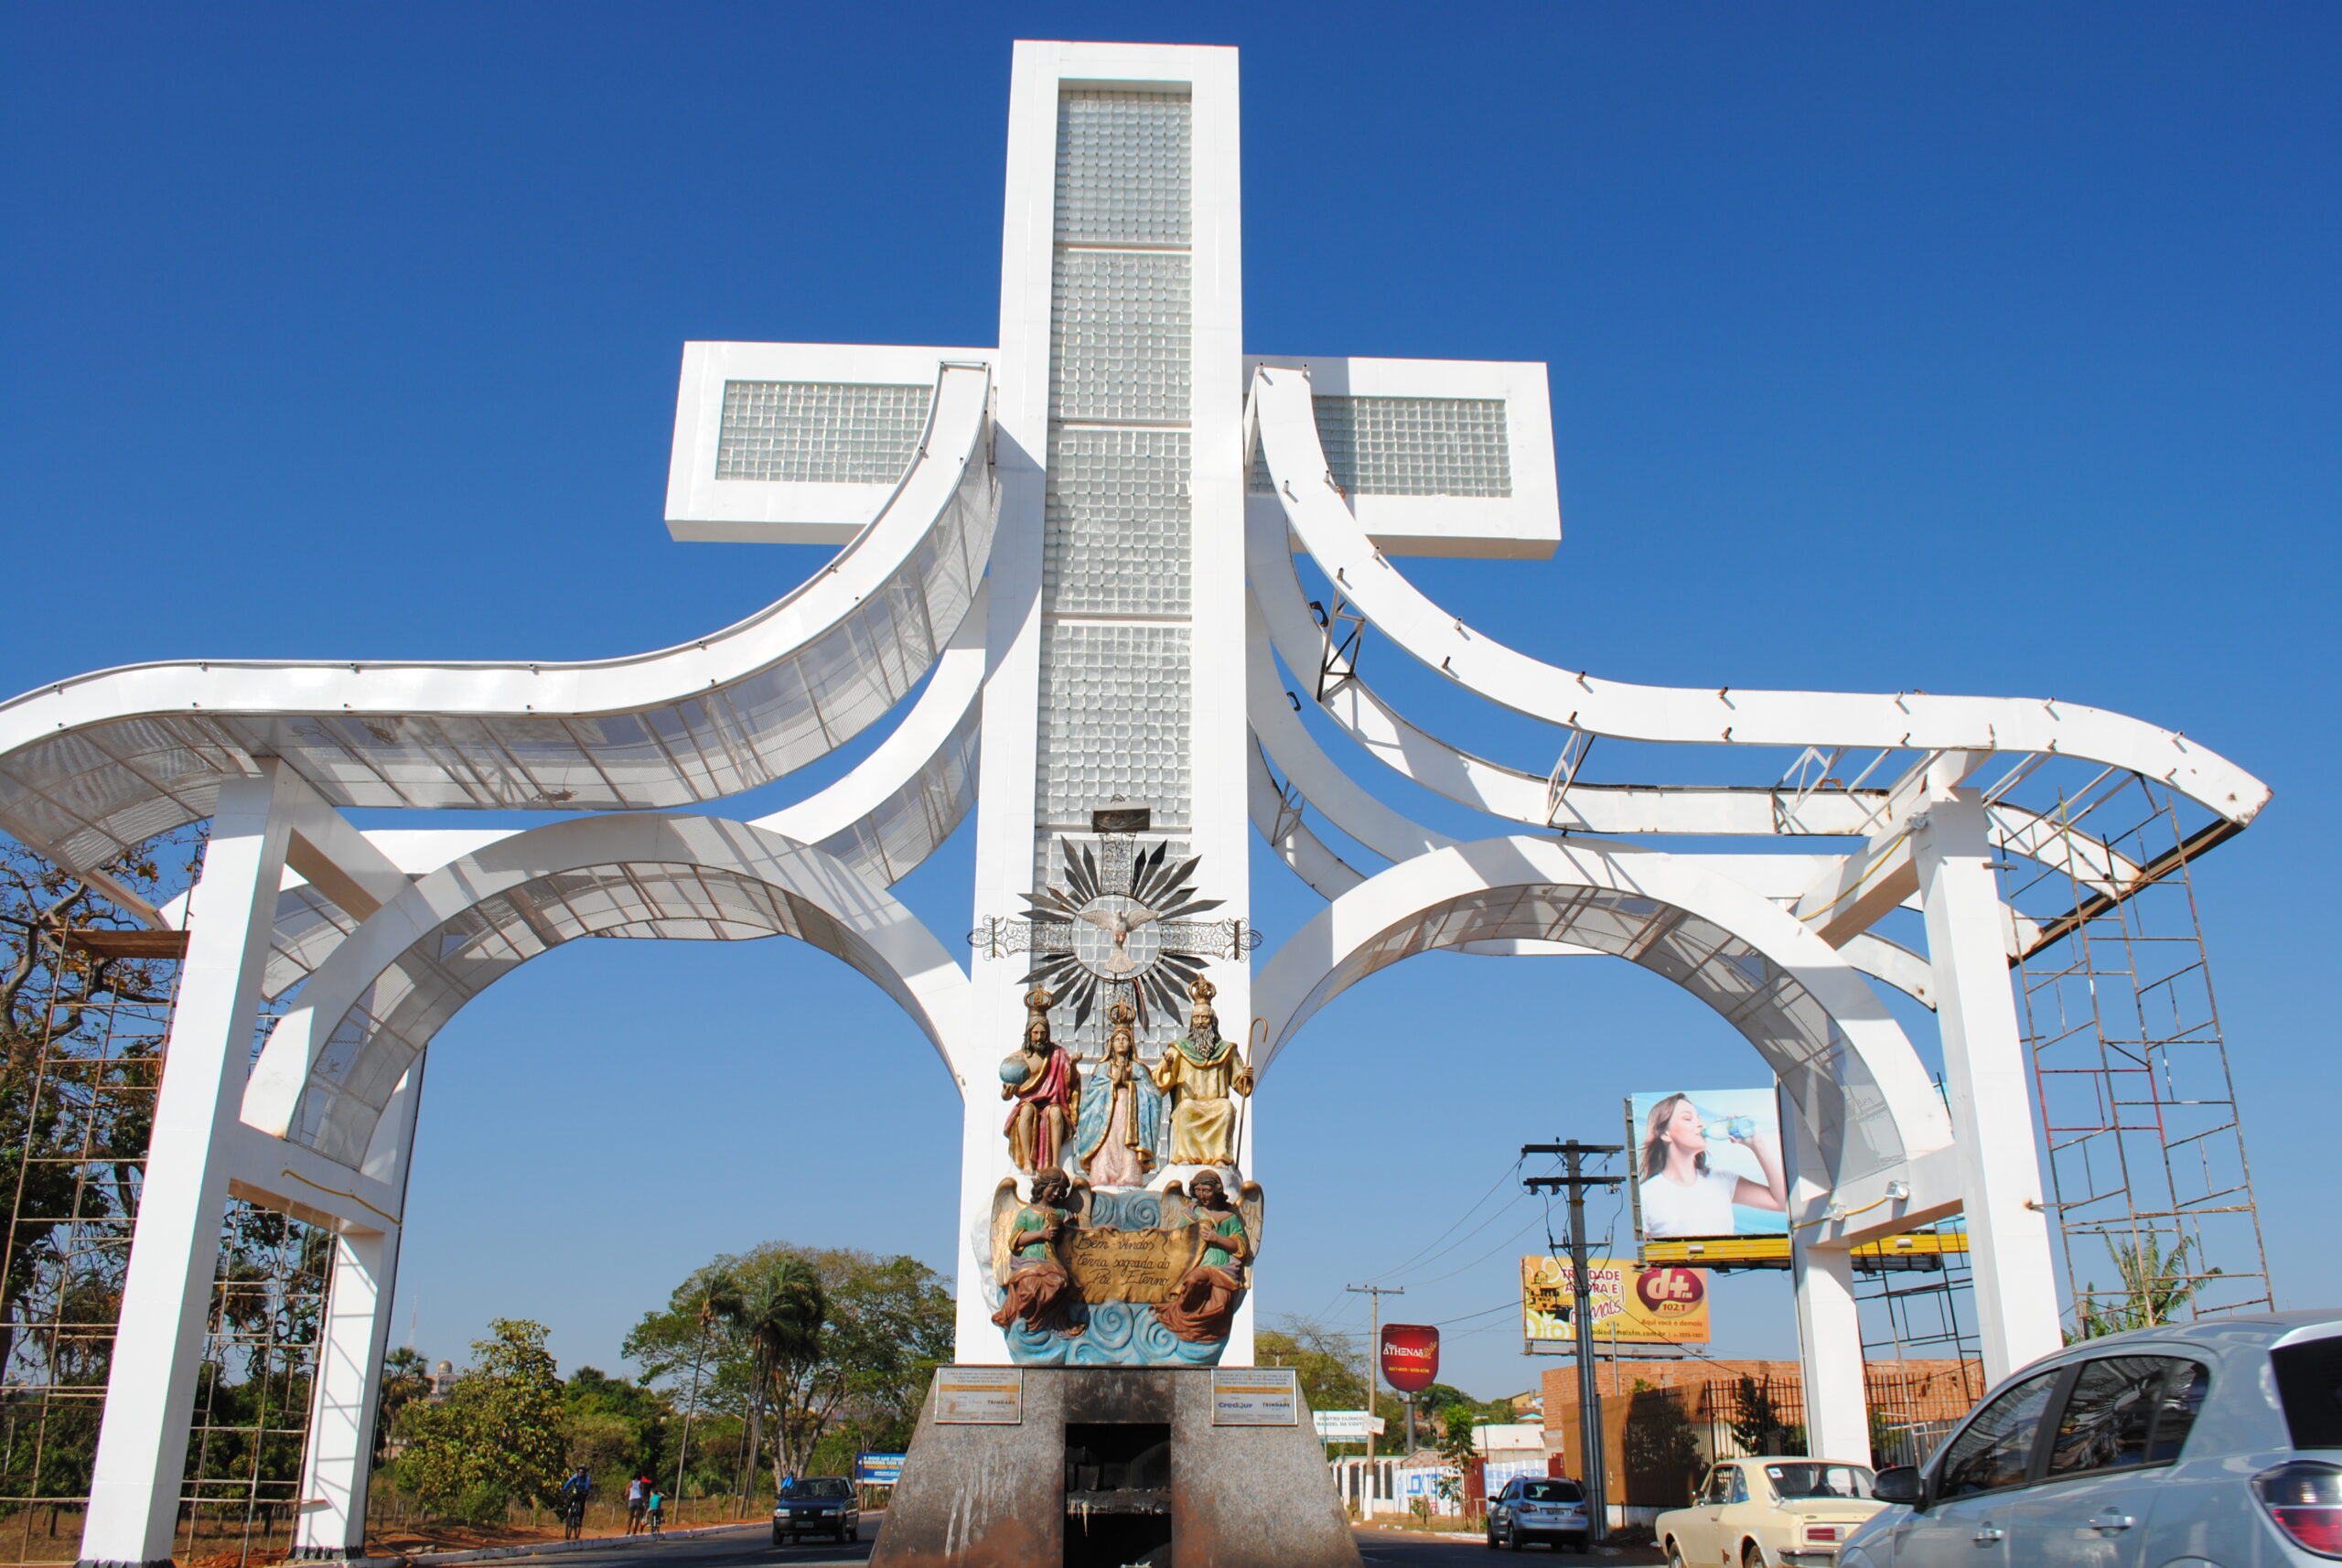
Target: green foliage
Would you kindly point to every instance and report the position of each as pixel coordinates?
(1456, 1451)
(2157, 1287)
(499, 1438)
(617, 1430)
(804, 1355)
(406, 1378)
(1659, 1451)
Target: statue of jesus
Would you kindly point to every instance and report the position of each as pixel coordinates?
(1200, 1073)
(1043, 1080)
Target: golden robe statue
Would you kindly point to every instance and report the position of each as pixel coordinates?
(1201, 1072)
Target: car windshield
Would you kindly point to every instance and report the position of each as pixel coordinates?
(828, 1488)
(1551, 1492)
(1818, 1480)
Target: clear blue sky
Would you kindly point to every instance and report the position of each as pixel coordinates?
(1982, 347)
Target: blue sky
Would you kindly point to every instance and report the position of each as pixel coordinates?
(1987, 349)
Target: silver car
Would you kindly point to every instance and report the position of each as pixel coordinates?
(2213, 1444)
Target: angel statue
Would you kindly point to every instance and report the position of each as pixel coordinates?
(1026, 1239)
(1200, 1071)
(1041, 1077)
(1122, 1111)
(1204, 1301)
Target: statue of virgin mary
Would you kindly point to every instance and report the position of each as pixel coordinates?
(1121, 1124)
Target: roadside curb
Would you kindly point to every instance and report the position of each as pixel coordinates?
(548, 1548)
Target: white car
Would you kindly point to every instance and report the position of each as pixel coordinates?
(1768, 1511)
(2213, 1444)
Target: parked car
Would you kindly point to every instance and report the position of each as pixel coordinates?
(1531, 1509)
(1772, 1510)
(817, 1505)
(2215, 1442)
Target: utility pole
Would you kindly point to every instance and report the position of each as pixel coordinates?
(1374, 1294)
(1574, 1180)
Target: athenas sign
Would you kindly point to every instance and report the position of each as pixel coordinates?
(1409, 1356)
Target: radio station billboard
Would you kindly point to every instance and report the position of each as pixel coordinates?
(1708, 1164)
(1631, 1305)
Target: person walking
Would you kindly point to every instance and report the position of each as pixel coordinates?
(638, 1503)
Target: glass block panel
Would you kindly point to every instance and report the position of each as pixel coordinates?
(819, 432)
(1410, 447)
(1116, 503)
(1122, 160)
(1114, 703)
(1119, 336)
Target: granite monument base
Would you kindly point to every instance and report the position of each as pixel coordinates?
(1104, 1467)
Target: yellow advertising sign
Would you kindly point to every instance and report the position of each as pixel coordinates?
(1631, 1305)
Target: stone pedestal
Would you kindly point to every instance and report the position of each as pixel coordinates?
(1111, 1466)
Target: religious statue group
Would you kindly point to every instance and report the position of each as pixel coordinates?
(1089, 1140)
(1114, 1120)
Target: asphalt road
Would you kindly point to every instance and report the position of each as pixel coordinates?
(754, 1548)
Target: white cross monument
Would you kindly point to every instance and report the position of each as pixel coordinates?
(1083, 541)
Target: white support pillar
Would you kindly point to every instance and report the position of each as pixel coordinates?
(1985, 1075)
(1829, 1323)
(345, 1399)
(1830, 1350)
(150, 1394)
(338, 1461)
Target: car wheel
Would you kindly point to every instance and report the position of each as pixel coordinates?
(1674, 1557)
(1492, 1535)
(1753, 1556)
(855, 1533)
(1511, 1536)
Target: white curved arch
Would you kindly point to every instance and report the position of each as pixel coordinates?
(1859, 1090)
(1315, 511)
(1278, 619)
(93, 765)
(369, 1011)
(882, 819)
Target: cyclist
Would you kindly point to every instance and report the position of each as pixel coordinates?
(574, 1493)
(657, 1511)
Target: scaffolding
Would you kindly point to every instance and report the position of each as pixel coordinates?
(79, 1102)
(2142, 1140)
(85, 1040)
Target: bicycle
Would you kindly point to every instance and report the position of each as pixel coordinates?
(573, 1518)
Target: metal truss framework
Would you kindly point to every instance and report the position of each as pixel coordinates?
(976, 577)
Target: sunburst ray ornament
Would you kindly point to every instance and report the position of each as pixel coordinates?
(1120, 928)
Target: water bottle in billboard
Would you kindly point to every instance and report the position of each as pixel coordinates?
(1719, 1129)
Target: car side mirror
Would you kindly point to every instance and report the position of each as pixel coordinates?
(1899, 1484)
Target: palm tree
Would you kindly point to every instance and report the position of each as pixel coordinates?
(777, 1306)
(2157, 1287)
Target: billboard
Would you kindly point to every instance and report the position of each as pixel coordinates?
(1631, 1305)
(878, 1469)
(1409, 1356)
(1708, 1164)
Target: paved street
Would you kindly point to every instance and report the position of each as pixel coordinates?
(1407, 1550)
(754, 1548)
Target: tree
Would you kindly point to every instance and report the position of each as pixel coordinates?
(1457, 1420)
(885, 1324)
(406, 1378)
(498, 1438)
(615, 1429)
(2157, 1287)
(1331, 1371)
(1758, 1424)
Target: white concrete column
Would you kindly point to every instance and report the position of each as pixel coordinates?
(1829, 1323)
(150, 1394)
(1985, 1079)
(1830, 1350)
(340, 1459)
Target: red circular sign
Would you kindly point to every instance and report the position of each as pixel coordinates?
(1670, 1290)
(1409, 1356)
